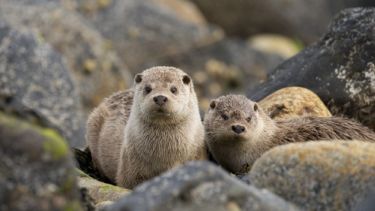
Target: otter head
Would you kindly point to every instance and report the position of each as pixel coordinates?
(163, 93)
(233, 118)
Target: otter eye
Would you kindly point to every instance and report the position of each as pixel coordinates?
(173, 89)
(148, 89)
(224, 116)
(248, 119)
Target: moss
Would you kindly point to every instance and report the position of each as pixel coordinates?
(54, 144)
(72, 206)
(110, 188)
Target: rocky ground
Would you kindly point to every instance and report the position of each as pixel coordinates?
(60, 58)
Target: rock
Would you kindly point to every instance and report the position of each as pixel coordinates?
(141, 30)
(274, 44)
(199, 186)
(35, 83)
(293, 102)
(36, 170)
(339, 68)
(99, 191)
(223, 67)
(293, 18)
(95, 67)
(318, 175)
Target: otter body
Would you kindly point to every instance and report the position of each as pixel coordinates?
(137, 134)
(238, 131)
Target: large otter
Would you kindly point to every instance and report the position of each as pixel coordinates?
(137, 134)
(238, 131)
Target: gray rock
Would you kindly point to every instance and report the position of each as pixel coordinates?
(36, 169)
(305, 20)
(321, 175)
(141, 30)
(35, 83)
(94, 65)
(339, 68)
(199, 186)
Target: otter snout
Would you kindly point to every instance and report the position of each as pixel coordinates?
(238, 129)
(160, 100)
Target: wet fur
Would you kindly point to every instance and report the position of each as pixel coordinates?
(238, 154)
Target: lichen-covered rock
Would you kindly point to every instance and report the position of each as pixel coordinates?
(318, 175)
(36, 170)
(339, 68)
(99, 191)
(223, 67)
(199, 186)
(141, 30)
(95, 66)
(35, 83)
(293, 102)
(294, 18)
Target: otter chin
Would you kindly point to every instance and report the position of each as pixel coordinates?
(238, 131)
(161, 108)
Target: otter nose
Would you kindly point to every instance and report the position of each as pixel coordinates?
(160, 100)
(238, 129)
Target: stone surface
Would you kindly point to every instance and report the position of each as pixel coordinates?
(339, 68)
(35, 83)
(36, 169)
(293, 102)
(275, 44)
(318, 175)
(94, 65)
(199, 186)
(294, 18)
(100, 191)
(141, 30)
(223, 67)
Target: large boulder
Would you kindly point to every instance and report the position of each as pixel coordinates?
(339, 68)
(223, 67)
(294, 18)
(95, 67)
(322, 175)
(141, 30)
(36, 170)
(199, 186)
(35, 83)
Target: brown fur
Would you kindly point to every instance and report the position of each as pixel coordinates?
(132, 139)
(237, 152)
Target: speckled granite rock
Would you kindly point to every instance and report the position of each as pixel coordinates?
(36, 169)
(95, 67)
(293, 102)
(318, 175)
(339, 68)
(35, 83)
(199, 186)
(99, 191)
(226, 66)
(141, 30)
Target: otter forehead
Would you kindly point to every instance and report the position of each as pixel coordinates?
(163, 74)
(234, 103)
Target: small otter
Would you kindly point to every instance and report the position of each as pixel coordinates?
(139, 133)
(238, 131)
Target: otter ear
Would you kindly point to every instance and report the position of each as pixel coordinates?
(138, 78)
(256, 107)
(186, 79)
(213, 104)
